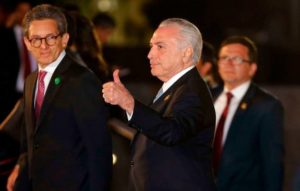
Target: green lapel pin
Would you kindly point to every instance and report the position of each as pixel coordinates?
(57, 80)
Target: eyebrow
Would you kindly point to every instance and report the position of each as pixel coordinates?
(38, 36)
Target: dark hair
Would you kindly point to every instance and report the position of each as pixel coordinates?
(72, 28)
(45, 11)
(88, 45)
(208, 53)
(247, 42)
(104, 20)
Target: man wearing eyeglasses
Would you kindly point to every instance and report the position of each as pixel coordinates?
(248, 142)
(65, 143)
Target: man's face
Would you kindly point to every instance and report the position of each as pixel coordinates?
(234, 74)
(45, 54)
(166, 58)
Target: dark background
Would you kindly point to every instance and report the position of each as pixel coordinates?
(273, 24)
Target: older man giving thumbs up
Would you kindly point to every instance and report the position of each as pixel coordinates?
(172, 146)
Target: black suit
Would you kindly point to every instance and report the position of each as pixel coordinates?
(252, 156)
(69, 147)
(172, 149)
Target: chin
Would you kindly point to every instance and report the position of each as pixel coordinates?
(153, 72)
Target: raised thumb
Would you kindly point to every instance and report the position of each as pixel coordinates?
(116, 76)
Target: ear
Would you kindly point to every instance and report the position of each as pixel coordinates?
(27, 43)
(253, 69)
(187, 54)
(65, 39)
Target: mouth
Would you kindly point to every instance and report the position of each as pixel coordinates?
(44, 54)
(152, 64)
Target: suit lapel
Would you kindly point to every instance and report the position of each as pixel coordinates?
(160, 104)
(240, 114)
(245, 102)
(56, 82)
(29, 96)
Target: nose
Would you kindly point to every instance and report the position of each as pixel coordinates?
(230, 60)
(150, 53)
(43, 44)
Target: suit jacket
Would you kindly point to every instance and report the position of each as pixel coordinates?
(252, 156)
(172, 149)
(69, 146)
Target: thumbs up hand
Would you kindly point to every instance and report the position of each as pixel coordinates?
(116, 76)
(115, 93)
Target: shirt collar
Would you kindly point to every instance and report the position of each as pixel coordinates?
(51, 67)
(171, 81)
(239, 91)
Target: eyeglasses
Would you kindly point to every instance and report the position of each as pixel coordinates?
(49, 39)
(236, 60)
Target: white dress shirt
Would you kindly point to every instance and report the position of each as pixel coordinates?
(238, 93)
(50, 70)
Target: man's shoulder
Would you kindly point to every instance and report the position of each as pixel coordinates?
(263, 92)
(70, 68)
(74, 65)
(262, 96)
(191, 78)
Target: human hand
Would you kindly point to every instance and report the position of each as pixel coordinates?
(115, 93)
(12, 178)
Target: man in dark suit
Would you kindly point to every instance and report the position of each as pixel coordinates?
(250, 156)
(172, 146)
(65, 143)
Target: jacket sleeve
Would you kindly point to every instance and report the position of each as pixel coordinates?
(91, 117)
(271, 144)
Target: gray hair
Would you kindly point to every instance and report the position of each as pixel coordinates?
(190, 35)
(45, 11)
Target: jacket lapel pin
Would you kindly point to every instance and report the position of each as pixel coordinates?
(244, 106)
(57, 80)
(167, 97)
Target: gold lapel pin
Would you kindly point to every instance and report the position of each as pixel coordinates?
(244, 106)
(167, 97)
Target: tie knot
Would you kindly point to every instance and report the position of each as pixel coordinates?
(42, 74)
(229, 96)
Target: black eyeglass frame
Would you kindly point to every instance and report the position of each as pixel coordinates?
(50, 40)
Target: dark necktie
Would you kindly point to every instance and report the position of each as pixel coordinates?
(40, 93)
(26, 61)
(219, 134)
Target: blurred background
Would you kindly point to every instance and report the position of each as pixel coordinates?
(273, 24)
